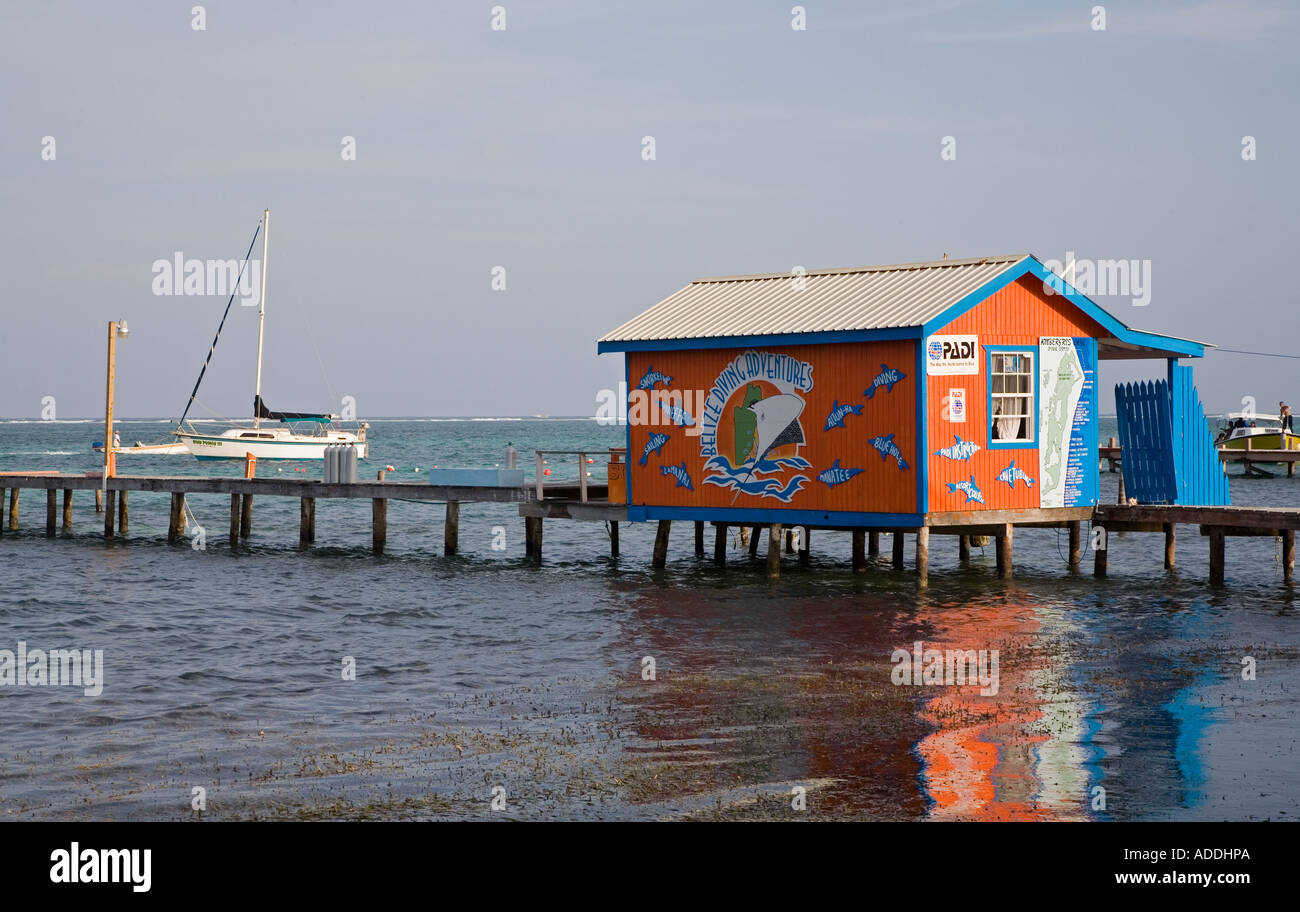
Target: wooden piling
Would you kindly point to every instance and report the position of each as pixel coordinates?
(922, 555)
(246, 516)
(176, 518)
(99, 501)
(1288, 554)
(234, 519)
(805, 546)
(699, 538)
(51, 510)
(533, 537)
(774, 551)
(720, 544)
(13, 507)
(789, 541)
(1216, 555)
(661, 543)
(1099, 552)
(753, 541)
(67, 509)
(379, 520)
(2, 505)
(1005, 551)
(1124, 499)
(109, 501)
(859, 551)
(613, 538)
(1169, 546)
(307, 520)
(451, 528)
(1076, 543)
(123, 516)
(898, 549)
(963, 548)
(873, 544)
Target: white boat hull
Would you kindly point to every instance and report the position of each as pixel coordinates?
(212, 446)
(159, 449)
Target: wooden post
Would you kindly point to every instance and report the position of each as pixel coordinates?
(174, 520)
(234, 519)
(51, 510)
(1076, 543)
(859, 551)
(873, 544)
(1121, 498)
(1099, 553)
(1216, 554)
(122, 515)
(2, 505)
(13, 507)
(246, 516)
(1169, 546)
(1004, 552)
(451, 528)
(699, 538)
(67, 509)
(582, 477)
(963, 548)
(661, 543)
(613, 539)
(540, 468)
(533, 537)
(753, 541)
(99, 501)
(774, 551)
(307, 520)
(898, 549)
(109, 501)
(922, 555)
(789, 541)
(805, 546)
(720, 544)
(1288, 553)
(379, 520)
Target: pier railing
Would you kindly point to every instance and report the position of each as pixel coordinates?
(583, 456)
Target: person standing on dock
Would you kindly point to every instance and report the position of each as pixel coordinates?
(1284, 411)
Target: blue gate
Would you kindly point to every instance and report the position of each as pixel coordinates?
(1168, 453)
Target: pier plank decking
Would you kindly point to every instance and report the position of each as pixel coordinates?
(588, 503)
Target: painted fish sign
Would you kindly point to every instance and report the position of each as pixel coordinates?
(961, 451)
(839, 412)
(886, 447)
(969, 488)
(836, 475)
(651, 377)
(654, 445)
(887, 377)
(1011, 475)
(680, 473)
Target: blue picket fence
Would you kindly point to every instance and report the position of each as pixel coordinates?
(1168, 449)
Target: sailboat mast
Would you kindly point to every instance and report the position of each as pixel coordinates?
(261, 313)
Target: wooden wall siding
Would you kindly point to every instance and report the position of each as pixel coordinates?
(1017, 315)
(841, 373)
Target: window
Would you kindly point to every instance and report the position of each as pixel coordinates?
(1011, 397)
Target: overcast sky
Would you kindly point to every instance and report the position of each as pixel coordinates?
(522, 148)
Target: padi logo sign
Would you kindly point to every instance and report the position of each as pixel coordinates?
(952, 355)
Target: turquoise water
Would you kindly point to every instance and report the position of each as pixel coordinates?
(223, 667)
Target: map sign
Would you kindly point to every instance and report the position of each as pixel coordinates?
(1067, 416)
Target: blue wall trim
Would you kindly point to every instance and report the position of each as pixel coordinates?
(742, 515)
(809, 338)
(922, 432)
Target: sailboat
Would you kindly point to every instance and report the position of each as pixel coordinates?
(305, 435)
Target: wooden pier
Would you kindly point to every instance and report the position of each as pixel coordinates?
(588, 502)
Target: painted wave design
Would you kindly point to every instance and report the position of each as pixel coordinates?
(744, 478)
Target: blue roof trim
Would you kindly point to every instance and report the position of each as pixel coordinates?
(1030, 266)
(809, 338)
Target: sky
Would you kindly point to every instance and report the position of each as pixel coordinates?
(522, 148)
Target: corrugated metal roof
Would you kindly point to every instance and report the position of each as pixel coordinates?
(873, 297)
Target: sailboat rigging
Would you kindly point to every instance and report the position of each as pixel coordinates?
(266, 443)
